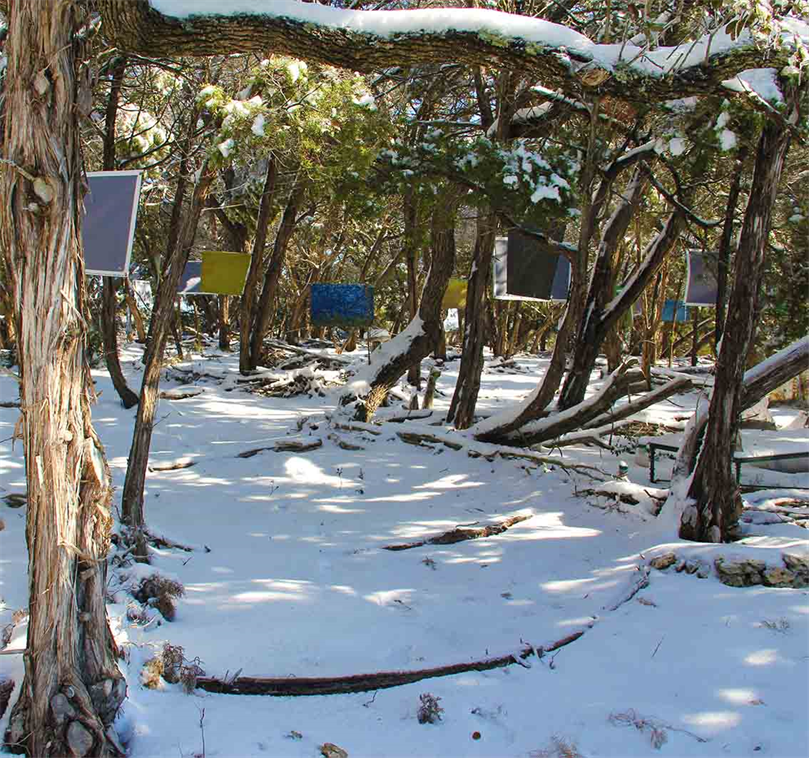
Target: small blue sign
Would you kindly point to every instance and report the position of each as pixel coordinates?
(675, 310)
(347, 305)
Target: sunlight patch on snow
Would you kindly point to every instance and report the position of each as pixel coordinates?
(339, 509)
(267, 596)
(451, 481)
(388, 597)
(738, 696)
(402, 498)
(725, 719)
(566, 585)
(762, 657)
(303, 470)
(343, 590)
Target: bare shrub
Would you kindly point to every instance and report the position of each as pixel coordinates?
(429, 711)
(653, 728)
(151, 675)
(161, 593)
(172, 656)
(560, 747)
(779, 625)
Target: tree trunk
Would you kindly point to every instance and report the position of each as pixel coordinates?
(162, 316)
(417, 341)
(723, 262)
(247, 307)
(465, 397)
(600, 315)
(224, 322)
(109, 325)
(109, 335)
(410, 213)
(72, 688)
(135, 312)
(713, 496)
(266, 302)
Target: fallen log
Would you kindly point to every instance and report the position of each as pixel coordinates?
(419, 439)
(294, 445)
(181, 394)
(305, 686)
(462, 533)
(172, 465)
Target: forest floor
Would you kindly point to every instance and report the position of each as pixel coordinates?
(289, 577)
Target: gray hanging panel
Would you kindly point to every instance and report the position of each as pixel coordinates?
(701, 284)
(524, 271)
(108, 227)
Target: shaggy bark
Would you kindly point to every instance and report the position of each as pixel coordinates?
(715, 502)
(72, 688)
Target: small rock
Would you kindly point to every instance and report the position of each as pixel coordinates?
(663, 562)
(680, 567)
(778, 577)
(79, 740)
(799, 566)
(330, 750)
(739, 573)
(62, 709)
(691, 567)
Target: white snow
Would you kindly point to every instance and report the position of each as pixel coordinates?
(296, 584)
(387, 24)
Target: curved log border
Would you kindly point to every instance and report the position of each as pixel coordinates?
(341, 685)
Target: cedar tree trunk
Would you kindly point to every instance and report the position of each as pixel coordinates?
(714, 500)
(72, 688)
(465, 397)
(421, 336)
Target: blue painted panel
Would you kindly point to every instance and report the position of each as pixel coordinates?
(348, 305)
(675, 310)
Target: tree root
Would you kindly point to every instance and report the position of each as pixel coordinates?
(305, 686)
(461, 534)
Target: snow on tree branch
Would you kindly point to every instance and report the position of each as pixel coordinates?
(370, 40)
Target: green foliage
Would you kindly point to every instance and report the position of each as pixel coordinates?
(534, 186)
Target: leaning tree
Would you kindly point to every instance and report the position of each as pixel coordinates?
(72, 687)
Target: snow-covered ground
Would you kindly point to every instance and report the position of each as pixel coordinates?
(296, 583)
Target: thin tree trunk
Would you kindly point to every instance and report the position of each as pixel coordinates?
(132, 304)
(109, 335)
(162, 315)
(266, 302)
(410, 212)
(465, 397)
(109, 301)
(246, 308)
(72, 688)
(223, 313)
(715, 502)
(420, 338)
(723, 263)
